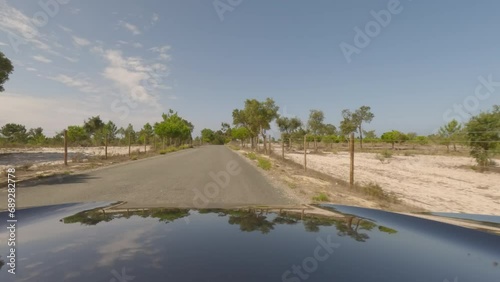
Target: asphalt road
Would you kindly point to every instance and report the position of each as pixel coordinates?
(209, 176)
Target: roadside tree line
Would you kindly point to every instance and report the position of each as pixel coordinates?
(171, 130)
(251, 124)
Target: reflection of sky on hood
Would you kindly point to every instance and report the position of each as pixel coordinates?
(208, 248)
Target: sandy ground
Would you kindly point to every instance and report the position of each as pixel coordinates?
(434, 183)
(96, 151)
(85, 151)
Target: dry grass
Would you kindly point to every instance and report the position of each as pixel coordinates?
(375, 191)
(321, 197)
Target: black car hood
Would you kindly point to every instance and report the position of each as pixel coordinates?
(83, 242)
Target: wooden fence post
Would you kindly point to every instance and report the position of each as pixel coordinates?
(305, 153)
(129, 140)
(65, 147)
(351, 152)
(106, 147)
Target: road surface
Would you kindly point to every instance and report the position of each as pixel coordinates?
(205, 177)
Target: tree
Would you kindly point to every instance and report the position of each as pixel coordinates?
(394, 137)
(207, 135)
(174, 127)
(226, 131)
(94, 127)
(111, 130)
(450, 134)
(328, 129)
(240, 133)
(146, 133)
(315, 124)
(256, 116)
(6, 68)
(483, 135)
(354, 120)
(287, 126)
(130, 134)
(77, 134)
(213, 137)
(370, 134)
(36, 136)
(14, 132)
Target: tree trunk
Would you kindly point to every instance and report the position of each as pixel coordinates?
(265, 144)
(360, 138)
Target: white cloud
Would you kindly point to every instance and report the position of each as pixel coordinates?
(130, 27)
(3, 44)
(133, 77)
(31, 69)
(154, 18)
(80, 41)
(73, 60)
(21, 29)
(69, 30)
(162, 51)
(80, 82)
(42, 59)
(69, 81)
(15, 22)
(137, 45)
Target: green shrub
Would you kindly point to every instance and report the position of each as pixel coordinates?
(386, 154)
(321, 197)
(252, 156)
(265, 164)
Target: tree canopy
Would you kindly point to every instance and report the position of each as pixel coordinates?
(483, 135)
(6, 68)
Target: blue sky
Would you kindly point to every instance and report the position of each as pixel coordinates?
(129, 61)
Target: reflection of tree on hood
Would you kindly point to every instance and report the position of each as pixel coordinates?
(169, 215)
(88, 217)
(250, 221)
(312, 224)
(350, 228)
(286, 219)
(93, 217)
